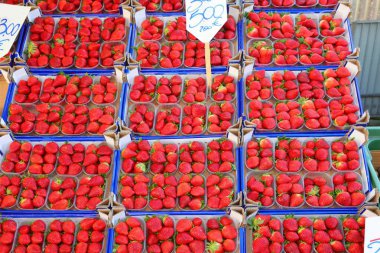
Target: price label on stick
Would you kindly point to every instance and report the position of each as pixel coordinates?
(204, 18)
(11, 19)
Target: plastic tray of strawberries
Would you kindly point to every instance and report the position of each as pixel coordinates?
(268, 39)
(136, 181)
(268, 87)
(263, 172)
(294, 4)
(102, 40)
(58, 168)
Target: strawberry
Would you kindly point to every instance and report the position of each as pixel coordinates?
(258, 24)
(175, 30)
(43, 159)
(7, 235)
(220, 191)
(192, 157)
(260, 188)
(346, 158)
(348, 189)
(135, 157)
(328, 3)
(110, 52)
(262, 51)
(343, 111)
(318, 190)
(282, 26)
(169, 90)
(134, 191)
(171, 55)
(90, 236)
(87, 55)
(151, 28)
(289, 190)
(160, 232)
(258, 86)
(60, 236)
(354, 229)
(37, 54)
(284, 85)
(316, 155)
(130, 233)
(262, 114)
(289, 115)
(68, 6)
(150, 5)
(89, 30)
(193, 119)
(48, 119)
(90, 192)
(330, 26)
(194, 90)
(47, 6)
(70, 159)
(190, 235)
(261, 3)
(42, 29)
(228, 30)
(191, 192)
(31, 237)
(288, 155)
(147, 54)
(17, 157)
(221, 53)
(223, 88)
(141, 118)
(266, 232)
(226, 231)
(20, 119)
(336, 49)
(113, 29)
(98, 159)
(315, 113)
(163, 158)
(28, 91)
(78, 90)
(67, 30)
(220, 156)
(74, 119)
(259, 154)
(101, 118)
(90, 6)
(337, 82)
(163, 192)
(167, 120)
(282, 3)
(220, 117)
(171, 6)
(306, 26)
(310, 51)
(295, 233)
(143, 89)
(10, 188)
(112, 6)
(311, 84)
(286, 52)
(326, 230)
(33, 192)
(105, 91)
(62, 193)
(53, 90)
(306, 3)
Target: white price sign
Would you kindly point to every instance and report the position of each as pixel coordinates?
(372, 235)
(11, 19)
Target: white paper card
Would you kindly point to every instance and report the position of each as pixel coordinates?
(342, 12)
(124, 141)
(205, 18)
(11, 19)
(372, 235)
(353, 68)
(19, 75)
(140, 16)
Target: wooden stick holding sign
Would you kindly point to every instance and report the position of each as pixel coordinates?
(204, 18)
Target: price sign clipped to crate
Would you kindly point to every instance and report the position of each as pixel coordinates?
(11, 19)
(204, 18)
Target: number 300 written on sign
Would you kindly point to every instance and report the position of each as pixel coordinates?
(199, 14)
(7, 30)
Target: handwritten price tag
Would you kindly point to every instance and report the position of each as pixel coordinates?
(372, 235)
(11, 19)
(204, 18)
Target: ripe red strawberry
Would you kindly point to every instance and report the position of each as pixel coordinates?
(90, 237)
(328, 235)
(90, 192)
(9, 190)
(62, 193)
(194, 119)
(30, 237)
(220, 117)
(20, 119)
(310, 51)
(337, 49)
(223, 237)
(101, 118)
(160, 232)
(223, 88)
(261, 3)
(42, 29)
(288, 155)
(60, 236)
(150, 5)
(289, 116)
(316, 155)
(284, 85)
(74, 119)
(68, 6)
(151, 28)
(33, 192)
(169, 90)
(110, 52)
(147, 54)
(262, 114)
(345, 156)
(70, 159)
(306, 25)
(78, 89)
(38, 54)
(136, 157)
(190, 235)
(191, 192)
(171, 6)
(195, 53)
(28, 91)
(67, 30)
(192, 157)
(48, 119)
(17, 157)
(328, 3)
(311, 84)
(228, 30)
(91, 6)
(163, 158)
(266, 232)
(141, 118)
(318, 190)
(87, 55)
(259, 154)
(343, 111)
(286, 52)
(282, 26)
(306, 3)
(194, 90)
(98, 159)
(167, 120)
(175, 30)
(89, 30)
(258, 25)
(282, 3)
(43, 159)
(53, 90)
(337, 82)
(163, 192)
(262, 51)
(220, 156)
(315, 113)
(113, 29)
(258, 86)
(260, 188)
(105, 91)
(112, 6)
(330, 26)
(354, 230)
(129, 236)
(7, 235)
(143, 88)
(171, 55)
(133, 191)
(289, 190)
(220, 191)
(296, 233)
(348, 189)
(47, 6)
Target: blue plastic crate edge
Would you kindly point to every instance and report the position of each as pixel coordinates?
(8, 101)
(240, 35)
(46, 213)
(115, 176)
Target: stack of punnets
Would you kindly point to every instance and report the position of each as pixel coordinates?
(116, 143)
